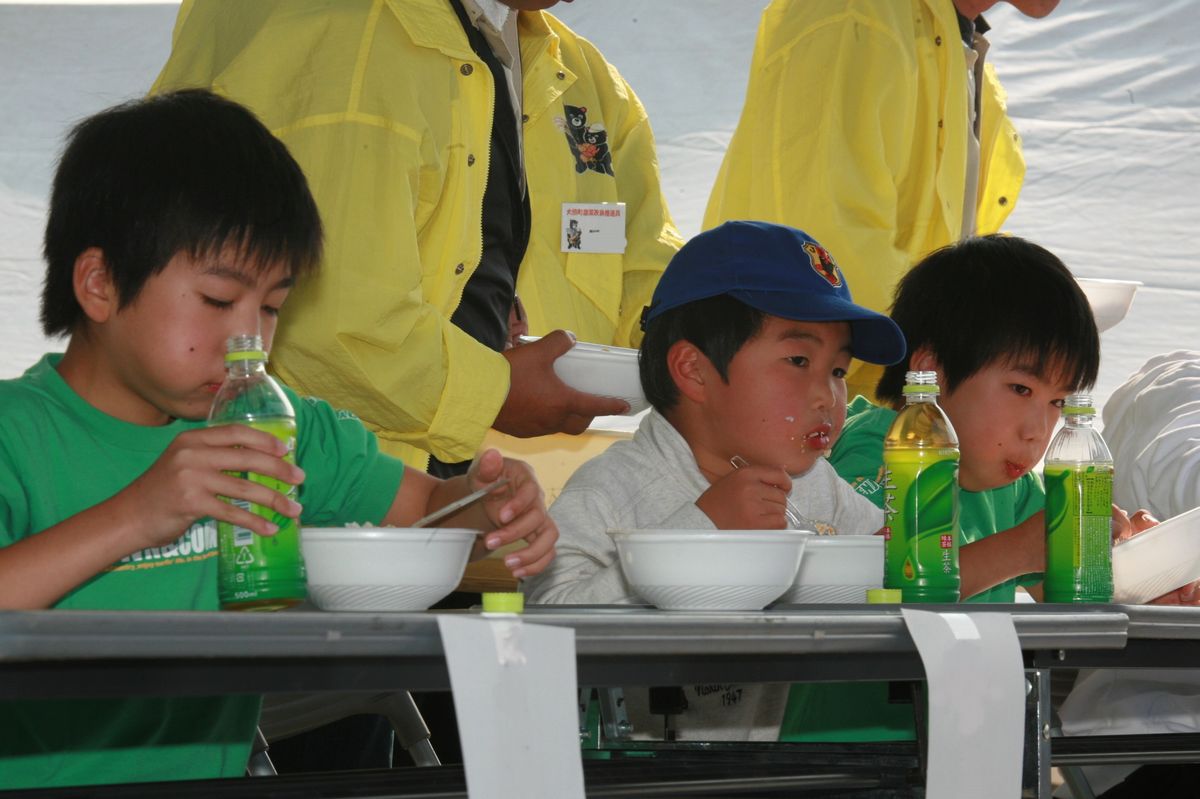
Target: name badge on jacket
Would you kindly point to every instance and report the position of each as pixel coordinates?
(593, 227)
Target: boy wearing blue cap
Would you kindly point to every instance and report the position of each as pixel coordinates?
(747, 342)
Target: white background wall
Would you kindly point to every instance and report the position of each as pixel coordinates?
(1105, 92)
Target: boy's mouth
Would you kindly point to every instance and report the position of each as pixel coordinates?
(1014, 470)
(818, 438)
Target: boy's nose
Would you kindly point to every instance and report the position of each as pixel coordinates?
(1037, 426)
(823, 393)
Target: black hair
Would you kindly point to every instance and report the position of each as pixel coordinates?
(994, 299)
(185, 171)
(718, 326)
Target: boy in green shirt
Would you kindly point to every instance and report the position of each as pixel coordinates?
(175, 223)
(1010, 335)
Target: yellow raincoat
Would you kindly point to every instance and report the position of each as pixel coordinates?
(389, 112)
(855, 129)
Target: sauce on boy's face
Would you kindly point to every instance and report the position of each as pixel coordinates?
(163, 355)
(785, 400)
(1004, 415)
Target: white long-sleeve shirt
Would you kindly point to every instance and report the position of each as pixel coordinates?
(652, 481)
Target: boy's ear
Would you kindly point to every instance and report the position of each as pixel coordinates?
(94, 288)
(689, 368)
(924, 360)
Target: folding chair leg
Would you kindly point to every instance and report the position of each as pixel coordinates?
(260, 764)
(410, 728)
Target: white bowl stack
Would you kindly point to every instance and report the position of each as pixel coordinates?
(383, 568)
(838, 568)
(710, 569)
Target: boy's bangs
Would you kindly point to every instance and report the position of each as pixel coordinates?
(1059, 360)
(256, 252)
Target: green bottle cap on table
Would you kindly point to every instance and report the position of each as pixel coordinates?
(503, 602)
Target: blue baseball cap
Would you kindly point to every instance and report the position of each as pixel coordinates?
(780, 271)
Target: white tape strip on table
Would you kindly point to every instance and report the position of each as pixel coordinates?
(515, 699)
(976, 680)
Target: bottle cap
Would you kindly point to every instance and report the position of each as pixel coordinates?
(244, 347)
(1079, 405)
(883, 596)
(503, 602)
(920, 383)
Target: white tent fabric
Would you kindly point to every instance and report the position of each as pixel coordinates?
(1106, 94)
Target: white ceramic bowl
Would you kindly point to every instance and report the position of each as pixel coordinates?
(1110, 299)
(383, 568)
(607, 371)
(710, 569)
(838, 568)
(1157, 561)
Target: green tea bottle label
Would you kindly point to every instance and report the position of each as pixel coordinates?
(262, 572)
(1078, 532)
(921, 523)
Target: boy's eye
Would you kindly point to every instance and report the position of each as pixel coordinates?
(1021, 390)
(270, 310)
(1059, 403)
(798, 360)
(214, 302)
(839, 372)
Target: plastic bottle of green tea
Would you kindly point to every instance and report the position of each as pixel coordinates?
(920, 458)
(257, 572)
(1079, 479)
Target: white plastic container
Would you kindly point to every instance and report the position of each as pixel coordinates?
(603, 370)
(710, 569)
(383, 568)
(838, 569)
(1159, 560)
(1110, 299)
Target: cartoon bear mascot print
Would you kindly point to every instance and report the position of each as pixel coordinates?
(588, 143)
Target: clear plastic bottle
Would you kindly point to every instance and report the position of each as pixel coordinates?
(920, 457)
(256, 572)
(1079, 479)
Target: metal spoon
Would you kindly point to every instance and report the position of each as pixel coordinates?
(458, 504)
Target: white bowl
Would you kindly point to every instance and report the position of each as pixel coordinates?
(838, 568)
(1110, 299)
(1159, 560)
(710, 569)
(606, 371)
(383, 568)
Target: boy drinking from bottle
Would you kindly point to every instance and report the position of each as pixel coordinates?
(175, 223)
(1010, 335)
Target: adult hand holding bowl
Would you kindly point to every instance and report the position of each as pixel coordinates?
(558, 385)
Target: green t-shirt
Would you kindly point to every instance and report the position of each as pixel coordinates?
(860, 711)
(60, 456)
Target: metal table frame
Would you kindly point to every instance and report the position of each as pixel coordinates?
(66, 654)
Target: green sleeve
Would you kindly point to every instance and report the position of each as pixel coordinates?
(857, 455)
(1030, 497)
(347, 479)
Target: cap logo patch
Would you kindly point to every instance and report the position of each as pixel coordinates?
(823, 264)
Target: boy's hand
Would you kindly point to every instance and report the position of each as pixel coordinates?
(518, 510)
(187, 482)
(750, 498)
